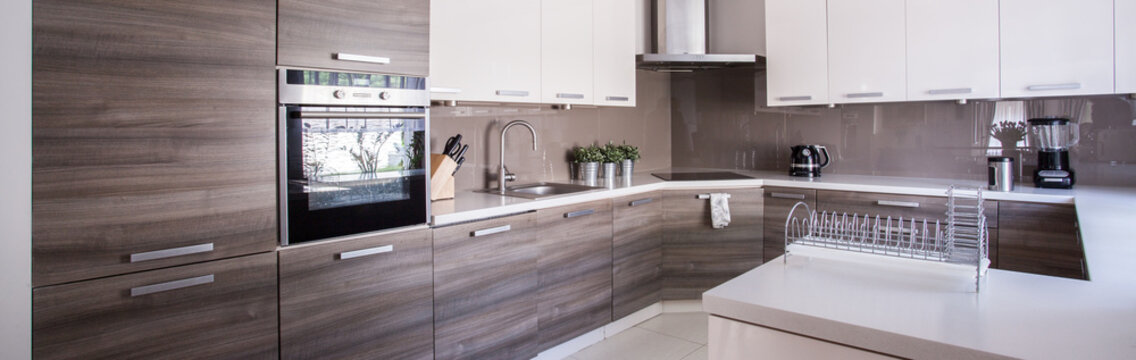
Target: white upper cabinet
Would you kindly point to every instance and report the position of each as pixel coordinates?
(797, 52)
(952, 49)
(614, 40)
(1057, 47)
(866, 51)
(1126, 46)
(566, 52)
(488, 50)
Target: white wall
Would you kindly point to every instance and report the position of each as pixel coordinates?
(16, 180)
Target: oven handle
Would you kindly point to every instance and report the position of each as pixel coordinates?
(359, 115)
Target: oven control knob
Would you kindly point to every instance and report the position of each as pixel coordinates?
(339, 94)
(385, 95)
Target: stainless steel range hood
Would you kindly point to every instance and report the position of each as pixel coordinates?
(680, 40)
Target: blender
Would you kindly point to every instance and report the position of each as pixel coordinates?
(1053, 137)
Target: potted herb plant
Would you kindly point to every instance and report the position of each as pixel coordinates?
(588, 160)
(613, 154)
(631, 155)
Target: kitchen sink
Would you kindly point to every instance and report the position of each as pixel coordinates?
(543, 190)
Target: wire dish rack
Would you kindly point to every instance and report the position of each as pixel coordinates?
(961, 239)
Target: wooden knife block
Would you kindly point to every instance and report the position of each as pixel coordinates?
(441, 177)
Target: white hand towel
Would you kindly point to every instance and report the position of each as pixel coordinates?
(720, 210)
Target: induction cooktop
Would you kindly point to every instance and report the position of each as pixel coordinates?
(695, 176)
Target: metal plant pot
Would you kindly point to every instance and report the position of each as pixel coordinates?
(589, 172)
(609, 174)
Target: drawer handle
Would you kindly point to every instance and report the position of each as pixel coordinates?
(796, 98)
(169, 253)
(172, 285)
(579, 213)
(951, 91)
(902, 204)
(491, 231)
(362, 58)
(365, 252)
(618, 98)
(865, 95)
(641, 202)
(569, 96)
(445, 90)
(520, 93)
(787, 196)
(1049, 87)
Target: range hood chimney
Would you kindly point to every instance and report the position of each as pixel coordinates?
(680, 39)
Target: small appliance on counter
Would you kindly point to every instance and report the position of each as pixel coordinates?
(806, 160)
(1000, 173)
(1053, 137)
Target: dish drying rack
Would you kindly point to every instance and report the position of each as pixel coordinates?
(961, 240)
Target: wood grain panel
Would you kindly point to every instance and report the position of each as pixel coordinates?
(930, 207)
(697, 257)
(373, 307)
(232, 318)
(776, 210)
(485, 290)
(1040, 239)
(312, 31)
(637, 253)
(153, 128)
(575, 271)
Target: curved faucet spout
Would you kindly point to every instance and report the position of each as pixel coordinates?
(503, 174)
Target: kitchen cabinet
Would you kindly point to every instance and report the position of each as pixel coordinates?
(486, 289)
(1040, 239)
(696, 256)
(796, 40)
(154, 135)
(486, 50)
(907, 206)
(575, 271)
(866, 51)
(637, 253)
(613, 41)
(368, 297)
(383, 36)
(224, 309)
(1056, 47)
(952, 49)
(566, 57)
(778, 203)
(1126, 46)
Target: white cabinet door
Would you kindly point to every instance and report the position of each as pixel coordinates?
(1126, 46)
(486, 50)
(796, 43)
(566, 52)
(614, 40)
(1057, 47)
(952, 49)
(866, 51)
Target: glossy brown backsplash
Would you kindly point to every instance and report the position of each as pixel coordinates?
(647, 125)
(720, 120)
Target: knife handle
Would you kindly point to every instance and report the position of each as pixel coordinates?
(460, 161)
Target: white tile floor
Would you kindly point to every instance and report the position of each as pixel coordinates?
(670, 336)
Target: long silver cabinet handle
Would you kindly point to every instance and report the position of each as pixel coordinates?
(169, 253)
(512, 93)
(902, 204)
(172, 285)
(491, 231)
(865, 95)
(787, 196)
(950, 91)
(579, 213)
(360, 115)
(365, 252)
(795, 98)
(641, 202)
(617, 98)
(363, 58)
(569, 96)
(441, 90)
(1048, 87)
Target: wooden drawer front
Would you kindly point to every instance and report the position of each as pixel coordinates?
(365, 298)
(312, 32)
(637, 253)
(1040, 239)
(154, 128)
(231, 317)
(485, 289)
(908, 206)
(575, 271)
(697, 257)
(778, 203)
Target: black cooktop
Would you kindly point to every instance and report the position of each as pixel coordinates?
(695, 176)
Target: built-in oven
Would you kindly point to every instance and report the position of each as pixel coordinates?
(352, 153)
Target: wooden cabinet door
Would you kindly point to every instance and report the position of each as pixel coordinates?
(796, 40)
(866, 51)
(778, 203)
(488, 50)
(1125, 46)
(485, 289)
(369, 297)
(696, 256)
(637, 253)
(907, 206)
(952, 49)
(566, 56)
(613, 40)
(224, 309)
(154, 135)
(575, 271)
(1040, 239)
(1056, 47)
(383, 36)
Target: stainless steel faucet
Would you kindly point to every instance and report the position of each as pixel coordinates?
(503, 174)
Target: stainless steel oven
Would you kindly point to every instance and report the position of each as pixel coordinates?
(352, 153)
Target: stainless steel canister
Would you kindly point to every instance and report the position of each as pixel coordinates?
(1000, 172)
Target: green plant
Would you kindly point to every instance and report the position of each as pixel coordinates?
(587, 154)
(613, 153)
(631, 152)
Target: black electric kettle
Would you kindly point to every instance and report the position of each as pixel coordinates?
(806, 160)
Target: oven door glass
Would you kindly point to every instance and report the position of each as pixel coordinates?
(354, 170)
